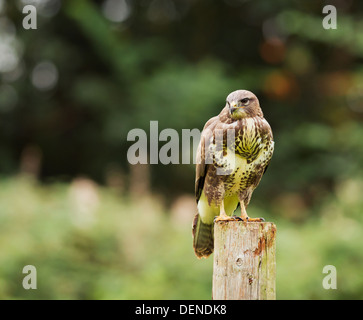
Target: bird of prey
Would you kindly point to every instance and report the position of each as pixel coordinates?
(226, 176)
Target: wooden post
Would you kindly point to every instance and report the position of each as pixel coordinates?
(244, 260)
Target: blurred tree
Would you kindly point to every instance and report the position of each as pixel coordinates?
(93, 70)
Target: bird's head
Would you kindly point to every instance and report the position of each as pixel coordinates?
(243, 104)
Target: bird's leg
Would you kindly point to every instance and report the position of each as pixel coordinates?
(222, 214)
(244, 215)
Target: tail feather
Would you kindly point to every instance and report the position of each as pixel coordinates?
(203, 240)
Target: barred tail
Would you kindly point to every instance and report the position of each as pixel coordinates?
(203, 240)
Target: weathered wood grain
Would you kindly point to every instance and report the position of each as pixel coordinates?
(244, 260)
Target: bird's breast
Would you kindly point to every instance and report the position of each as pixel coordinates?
(248, 141)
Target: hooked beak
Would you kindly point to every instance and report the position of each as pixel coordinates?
(237, 112)
(233, 106)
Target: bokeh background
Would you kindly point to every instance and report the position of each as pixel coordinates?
(96, 227)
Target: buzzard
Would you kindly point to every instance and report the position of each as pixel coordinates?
(235, 149)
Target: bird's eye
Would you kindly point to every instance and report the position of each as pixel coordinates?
(245, 101)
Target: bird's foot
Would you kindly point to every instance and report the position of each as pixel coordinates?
(248, 219)
(227, 218)
(224, 217)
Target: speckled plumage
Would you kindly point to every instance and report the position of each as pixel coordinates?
(227, 173)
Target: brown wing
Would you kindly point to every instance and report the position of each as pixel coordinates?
(202, 167)
(266, 132)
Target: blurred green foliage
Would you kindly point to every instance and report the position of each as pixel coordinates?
(116, 248)
(111, 249)
(120, 64)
